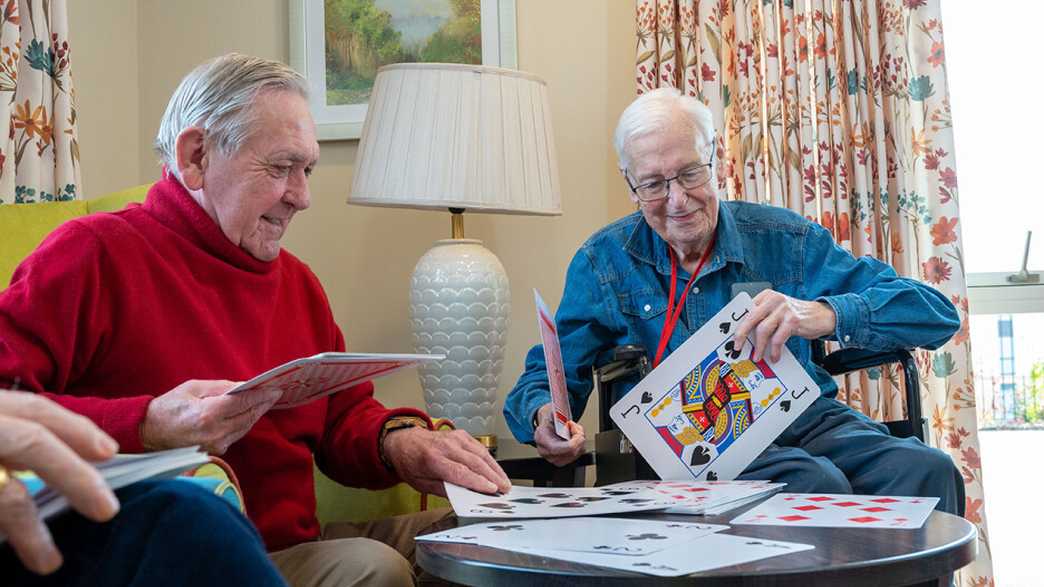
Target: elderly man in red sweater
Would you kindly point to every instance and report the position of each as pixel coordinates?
(142, 319)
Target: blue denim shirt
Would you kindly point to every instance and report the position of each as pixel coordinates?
(618, 282)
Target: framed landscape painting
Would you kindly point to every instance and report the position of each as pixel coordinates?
(338, 45)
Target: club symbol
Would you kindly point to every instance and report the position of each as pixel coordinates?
(700, 456)
(785, 405)
(646, 397)
(724, 327)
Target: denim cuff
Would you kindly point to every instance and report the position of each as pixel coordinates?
(533, 404)
(853, 319)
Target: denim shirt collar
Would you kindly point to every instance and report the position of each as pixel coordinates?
(647, 246)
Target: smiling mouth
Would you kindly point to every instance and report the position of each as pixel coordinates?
(684, 216)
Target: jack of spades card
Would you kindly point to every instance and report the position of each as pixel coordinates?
(709, 410)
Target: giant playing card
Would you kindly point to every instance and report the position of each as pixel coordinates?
(555, 370)
(309, 378)
(840, 511)
(709, 410)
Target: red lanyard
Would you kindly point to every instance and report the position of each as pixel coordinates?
(674, 312)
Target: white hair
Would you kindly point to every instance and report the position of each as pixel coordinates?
(217, 96)
(656, 112)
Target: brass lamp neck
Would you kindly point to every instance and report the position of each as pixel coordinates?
(458, 222)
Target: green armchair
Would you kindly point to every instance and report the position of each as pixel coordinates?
(24, 226)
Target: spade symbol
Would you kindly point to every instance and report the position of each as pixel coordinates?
(785, 405)
(700, 456)
(724, 327)
(646, 397)
(730, 348)
(712, 476)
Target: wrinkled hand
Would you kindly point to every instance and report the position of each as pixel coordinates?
(41, 436)
(424, 459)
(199, 412)
(774, 318)
(550, 446)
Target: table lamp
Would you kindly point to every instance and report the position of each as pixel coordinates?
(459, 138)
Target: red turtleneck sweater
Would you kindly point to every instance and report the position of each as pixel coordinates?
(115, 309)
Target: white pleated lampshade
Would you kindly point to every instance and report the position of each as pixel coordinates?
(443, 136)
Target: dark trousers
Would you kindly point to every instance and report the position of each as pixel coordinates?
(167, 533)
(832, 448)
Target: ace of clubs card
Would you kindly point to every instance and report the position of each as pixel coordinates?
(555, 370)
(708, 410)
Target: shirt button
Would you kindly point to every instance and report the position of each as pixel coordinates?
(647, 307)
(847, 338)
(695, 290)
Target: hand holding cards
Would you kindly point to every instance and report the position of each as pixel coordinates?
(708, 410)
(306, 379)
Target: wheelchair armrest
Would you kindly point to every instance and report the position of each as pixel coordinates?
(853, 359)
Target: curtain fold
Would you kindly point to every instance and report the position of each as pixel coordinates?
(839, 112)
(40, 157)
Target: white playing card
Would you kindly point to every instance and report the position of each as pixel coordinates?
(549, 502)
(708, 410)
(309, 378)
(703, 497)
(617, 536)
(555, 370)
(840, 511)
(711, 551)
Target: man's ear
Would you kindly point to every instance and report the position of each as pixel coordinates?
(190, 151)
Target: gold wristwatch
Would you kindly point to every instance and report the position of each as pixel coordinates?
(397, 423)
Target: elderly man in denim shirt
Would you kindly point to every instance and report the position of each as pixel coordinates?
(618, 289)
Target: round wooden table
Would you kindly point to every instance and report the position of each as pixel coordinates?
(851, 557)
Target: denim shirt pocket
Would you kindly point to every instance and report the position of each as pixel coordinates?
(643, 304)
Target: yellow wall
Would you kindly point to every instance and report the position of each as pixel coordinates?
(364, 256)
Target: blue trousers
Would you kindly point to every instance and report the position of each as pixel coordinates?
(832, 448)
(168, 533)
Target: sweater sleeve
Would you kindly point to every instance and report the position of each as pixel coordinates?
(54, 320)
(349, 452)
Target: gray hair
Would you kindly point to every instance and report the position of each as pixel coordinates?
(216, 96)
(654, 112)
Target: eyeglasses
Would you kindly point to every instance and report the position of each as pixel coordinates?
(689, 178)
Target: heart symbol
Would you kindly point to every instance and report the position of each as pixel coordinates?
(785, 405)
(724, 327)
(700, 456)
(712, 476)
(646, 397)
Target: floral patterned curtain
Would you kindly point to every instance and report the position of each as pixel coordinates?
(839, 111)
(40, 159)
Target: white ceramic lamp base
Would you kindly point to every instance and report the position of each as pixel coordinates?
(460, 304)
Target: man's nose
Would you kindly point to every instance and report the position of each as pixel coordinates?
(676, 193)
(297, 193)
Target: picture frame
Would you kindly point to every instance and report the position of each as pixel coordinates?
(308, 56)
